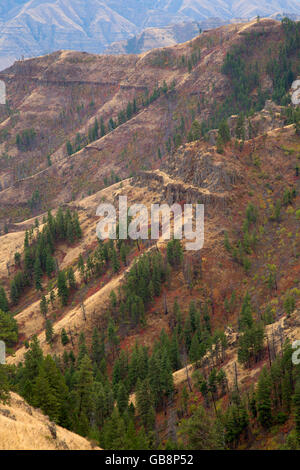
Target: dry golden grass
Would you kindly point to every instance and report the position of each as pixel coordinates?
(25, 428)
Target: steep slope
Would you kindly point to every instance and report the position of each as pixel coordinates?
(175, 304)
(24, 428)
(196, 173)
(226, 183)
(101, 87)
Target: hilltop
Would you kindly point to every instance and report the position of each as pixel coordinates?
(37, 27)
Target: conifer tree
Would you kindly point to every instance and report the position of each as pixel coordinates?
(145, 404)
(71, 278)
(37, 273)
(4, 385)
(49, 331)
(264, 404)
(52, 298)
(43, 397)
(122, 398)
(44, 306)
(63, 292)
(32, 364)
(3, 300)
(98, 350)
(199, 432)
(84, 395)
(69, 148)
(8, 329)
(64, 337)
(195, 352)
(115, 260)
(224, 132)
(113, 434)
(50, 265)
(82, 348)
(297, 410)
(174, 352)
(81, 267)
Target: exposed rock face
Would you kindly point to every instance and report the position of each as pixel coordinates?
(203, 168)
(264, 121)
(295, 98)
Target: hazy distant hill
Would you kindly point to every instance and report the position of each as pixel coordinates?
(152, 38)
(36, 27)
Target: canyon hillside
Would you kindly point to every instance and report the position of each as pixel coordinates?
(130, 344)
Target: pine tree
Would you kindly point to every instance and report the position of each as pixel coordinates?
(32, 364)
(226, 242)
(145, 404)
(174, 352)
(195, 352)
(44, 397)
(115, 261)
(113, 434)
(123, 254)
(3, 301)
(264, 404)
(224, 132)
(122, 398)
(71, 278)
(246, 319)
(50, 265)
(82, 348)
(49, 331)
(44, 306)
(8, 329)
(184, 399)
(81, 267)
(297, 410)
(84, 395)
(63, 292)
(64, 337)
(37, 273)
(199, 432)
(98, 350)
(236, 422)
(52, 298)
(69, 148)
(113, 339)
(289, 305)
(4, 385)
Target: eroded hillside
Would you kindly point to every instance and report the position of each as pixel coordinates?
(144, 107)
(127, 318)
